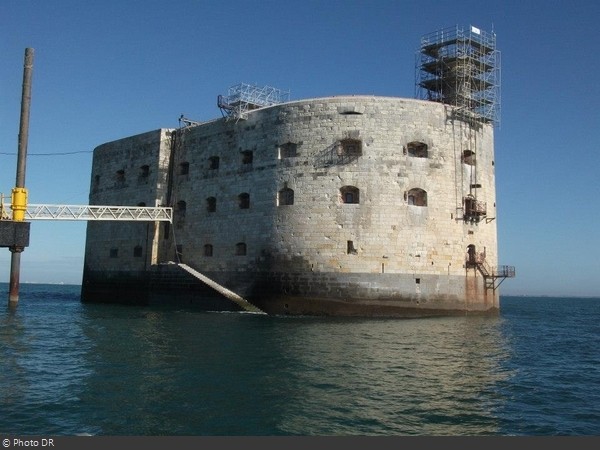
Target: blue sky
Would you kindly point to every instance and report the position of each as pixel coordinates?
(110, 69)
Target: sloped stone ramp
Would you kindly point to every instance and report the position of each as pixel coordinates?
(240, 301)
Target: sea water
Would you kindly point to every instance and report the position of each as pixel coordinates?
(68, 368)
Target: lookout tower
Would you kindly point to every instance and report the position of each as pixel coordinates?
(461, 67)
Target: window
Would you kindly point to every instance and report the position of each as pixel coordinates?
(114, 252)
(247, 157)
(208, 250)
(416, 197)
(288, 150)
(244, 200)
(468, 157)
(349, 194)
(351, 148)
(144, 171)
(141, 204)
(349, 112)
(184, 168)
(213, 162)
(211, 204)
(285, 197)
(181, 208)
(240, 249)
(120, 176)
(137, 251)
(417, 149)
(350, 248)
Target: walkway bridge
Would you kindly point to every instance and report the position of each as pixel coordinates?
(119, 213)
(92, 212)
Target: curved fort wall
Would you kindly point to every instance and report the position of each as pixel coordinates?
(339, 205)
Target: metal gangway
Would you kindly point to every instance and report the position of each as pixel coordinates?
(99, 212)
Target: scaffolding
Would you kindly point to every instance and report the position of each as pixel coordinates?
(461, 68)
(243, 97)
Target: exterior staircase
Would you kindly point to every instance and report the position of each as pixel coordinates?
(493, 276)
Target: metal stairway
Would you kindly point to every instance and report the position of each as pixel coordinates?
(491, 276)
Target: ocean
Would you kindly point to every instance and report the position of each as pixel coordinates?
(68, 368)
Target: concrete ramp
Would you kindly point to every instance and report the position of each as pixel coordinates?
(240, 301)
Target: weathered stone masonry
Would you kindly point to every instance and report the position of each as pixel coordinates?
(339, 205)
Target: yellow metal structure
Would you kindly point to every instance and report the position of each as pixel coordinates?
(19, 204)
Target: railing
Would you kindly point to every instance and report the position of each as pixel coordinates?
(493, 276)
(475, 210)
(504, 272)
(98, 212)
(334, 155)
(475, 207)
(5, 214)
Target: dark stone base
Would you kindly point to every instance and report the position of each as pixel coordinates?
(364, 295)
(367, 308)
(163, 285)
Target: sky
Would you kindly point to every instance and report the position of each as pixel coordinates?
(106, 70)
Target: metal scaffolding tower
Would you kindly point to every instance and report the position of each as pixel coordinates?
(461, 68)
(243, 97)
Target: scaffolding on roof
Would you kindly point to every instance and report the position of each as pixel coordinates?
(243, 97)
(461, 68)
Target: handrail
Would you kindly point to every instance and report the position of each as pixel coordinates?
(504, 271)
(98, 212)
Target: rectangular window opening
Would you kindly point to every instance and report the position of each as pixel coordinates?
(350, 250)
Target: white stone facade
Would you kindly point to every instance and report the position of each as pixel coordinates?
(341, 204)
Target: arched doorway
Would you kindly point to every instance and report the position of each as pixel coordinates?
(471, 256)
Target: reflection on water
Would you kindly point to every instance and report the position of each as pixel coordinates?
(73, 368)
(233, 374)
(42, 363)
(429, 376)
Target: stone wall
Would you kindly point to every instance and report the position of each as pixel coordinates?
(378, 186)
(128, 172)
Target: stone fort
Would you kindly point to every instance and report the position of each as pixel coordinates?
(343, 205)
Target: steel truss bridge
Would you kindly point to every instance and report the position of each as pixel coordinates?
(94, 212)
